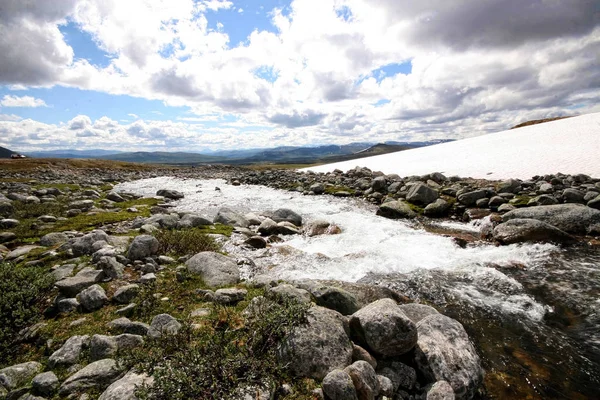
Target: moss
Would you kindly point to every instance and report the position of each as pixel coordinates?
(419, 210)
(335, 189)
(520, 201)
(64, 187)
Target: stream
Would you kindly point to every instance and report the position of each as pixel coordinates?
(533, 310)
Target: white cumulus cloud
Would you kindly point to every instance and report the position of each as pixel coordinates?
(23, 101)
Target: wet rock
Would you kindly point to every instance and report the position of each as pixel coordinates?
(321, 227)
(126, 387)
(215, 269)
(441, 390)
(142, 246)
(192, 221)
(335, 299)
(365, 380)
(444, 352)
(257, 242)
(98, 375)
(438, 208)
(318, 347)
(338, 385)
(45, 384)
(163, 324)
(125, 294)
(384, 328)
(284, 214)
(19, 375)
(70, 352)
(84, 245)
(570, 218)
(416, 311)
(268, 227)
(227, 216)
(287, 228)
(92, 298)
(85, 278)
(520, 230)
(421, 194)
(396, 210)
(170, 194)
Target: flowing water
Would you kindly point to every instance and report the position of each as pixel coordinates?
(533, 310)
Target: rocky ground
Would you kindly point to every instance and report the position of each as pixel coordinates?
(105, 295)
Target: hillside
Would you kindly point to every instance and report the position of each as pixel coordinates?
(538, 121)
(5, 153)
(570, 146)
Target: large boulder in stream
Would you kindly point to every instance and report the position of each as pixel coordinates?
(570, 218)
(520, 230)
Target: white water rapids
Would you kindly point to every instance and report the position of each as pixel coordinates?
(367, 244)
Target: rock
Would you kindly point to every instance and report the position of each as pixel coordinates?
(230, 296)
(257, 242)
(98, 375)
(45, 384)
(113, 196)
(396, 210)
(8, 223)
(317, 188)
(416, 311)
(286, 291)
(321, 227)
(542, 200)
(318, 347)
(125, 325)
(69, 353)
(62, 271)
(167, 221)
(102, 346)
(284, 214)
(53, 239)
(147, 278)
(268, 227)
(365, 380)
(421, 194)
(570, 218)
(496, 202)
(142, 246)
(92, 298)
(360, 354)
(386, 388)
(338, 385)
(125, 294)
(170, 194)
(84, 245)
(215, 269)
(163, 324)
(19, 375)
(506, 208)
(401, 375)
(20, 251)
(441, 390)
(67, 305)
(444, 352)
(470, 198)
(436, 209)
(227, 216)
(384, 328)
(509, 186)
(546, 188)
(84, 278)
(520, 230)
(335, 299)
(379, 184)
(594, 203)
(287, 228)
(47, 218)
(7, 237)
(192, 221)
(571, 195)
(125, 388)
(111, 267)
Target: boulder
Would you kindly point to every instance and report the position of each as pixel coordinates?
(69, 353)
(93, 298)
(416, 311)
(53, 239)
(113, 196)
(335, 299)
(9, 223)
(125, 325)
(268, 227)
(594, 203)
(125, 294)
(509, 186)
(19, 375)
(257, 242)
(383, 328)
(321, 227)
(102, 346)
(227, 216)
(396, 210)
(286, 291)
(192, 221)
(317, 347)
(97, 375)
(215, 269)
(570, 218)
(365, 380)
(111, 267)
(401, 375)
(436, 209)
(85, 278)
(230, 295)
(421, 194)
(317, 188)
(470, 198)
(142, 246)
(444, 352)
(6, 208)
(284, 214)
(170, 194)
(7, 237)
(571, 195)
(542, 200)
(45, 384)
(441, 390)
(338, 385)
(520, 230)
(84, 245)
(125, 388)
(163, 324)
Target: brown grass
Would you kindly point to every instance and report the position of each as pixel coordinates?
(29, 164)
(538, 121)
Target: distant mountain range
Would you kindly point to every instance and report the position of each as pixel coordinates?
(279, 155)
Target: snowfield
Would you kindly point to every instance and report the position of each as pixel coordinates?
(570, 146)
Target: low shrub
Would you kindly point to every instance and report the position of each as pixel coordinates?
(22, 291)
(184, 241)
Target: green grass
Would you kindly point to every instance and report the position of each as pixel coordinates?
(182, 242)
(335, 189)
(60, 186)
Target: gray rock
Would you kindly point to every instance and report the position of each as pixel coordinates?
(7, 237)
(570, 218)
(284, 214)
(379, 184)
(360, 354)
(147, 278)
(401, 375)
(8, 223)
(70, 352)
(75, 284)
(470, 198)
(338, 385)
(92, 298)
(113, 196)
(288, 292)
(416, 311)
(571, 195)
(318, 347)
(317, 188)
(268, 227)
(444, 352)
(496, 201)
(102, 346)
(45, 384)
(19, 375)
(125, 294)
(125, 325)
(335, 299)
(441, 390)
(125, 388)
(506, 208)
(142, 246)
(386, 388)
(396, 210)
(53, 239)
(6, 208)
(20, 251)
(192, 221)
(543, 200)
(230, 295)
(546, 188)
(167, 221)
(421, 194)
(384, 328)
(84, 245)
(321, 227)
(215, 269)
(594, 203)
(520, 230)
(257, 242)
(436, 209)
(67, 305)
(287, 228)
(170, 194)
(98, 375)
(111, 267)
(509, 186)
(365, 380)
(163, 324)
(47, 218)
(227, 216)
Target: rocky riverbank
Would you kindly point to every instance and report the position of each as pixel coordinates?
(146, 276)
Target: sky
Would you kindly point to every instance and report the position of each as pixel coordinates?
(201, 75)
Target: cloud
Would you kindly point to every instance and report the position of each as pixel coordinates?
(297, 119)
(24, 101)
(79, 122)
(10, 117)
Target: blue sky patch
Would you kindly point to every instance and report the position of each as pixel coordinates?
(84, 46)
